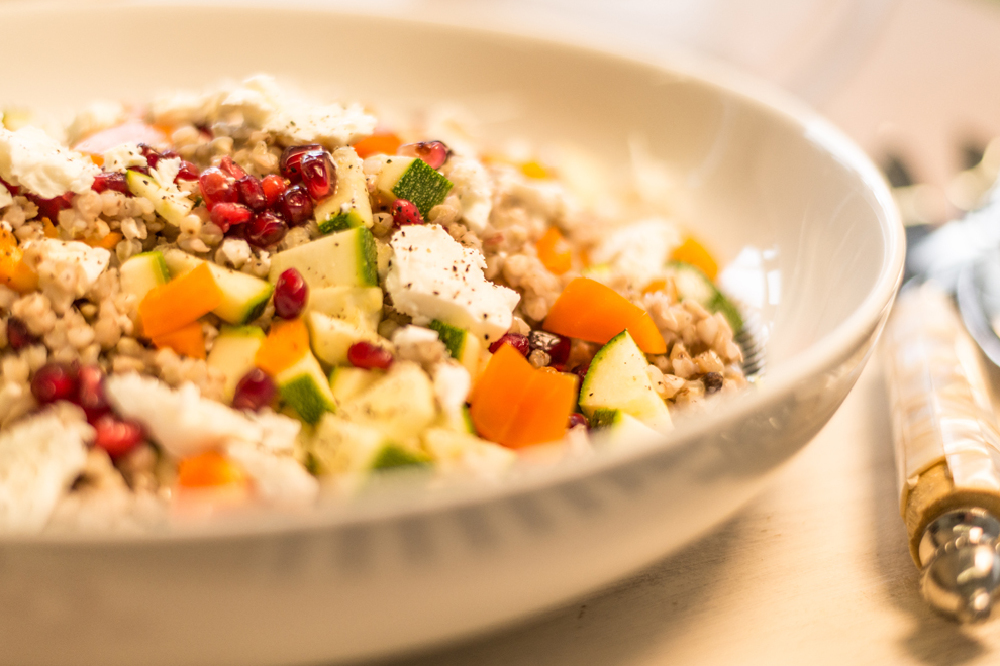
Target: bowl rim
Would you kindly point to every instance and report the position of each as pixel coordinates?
(812, 360)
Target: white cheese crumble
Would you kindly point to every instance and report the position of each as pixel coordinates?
(32, 159)
(278, 479)
(40, 458)
(181, 421)
(639, 250)
(452, 384)
(54, 256)
(432, 276)
(120, 158)
(165, 172)
(473, 188)
(5, 198)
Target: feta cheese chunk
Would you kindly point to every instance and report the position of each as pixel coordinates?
(39, 459)
(473, 188)
(5, 198)
(278, 479)
(53, 255)
(120, 158)
(34, 160)
(181, 421)
(639, 250)
(433, 276)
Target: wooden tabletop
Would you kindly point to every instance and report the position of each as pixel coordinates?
(814, 571)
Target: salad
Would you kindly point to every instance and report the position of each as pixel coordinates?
(245, 297)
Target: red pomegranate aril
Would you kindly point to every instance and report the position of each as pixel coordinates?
(226, 215)
(13, 189)
(290, 294)
(151, 155)
(291, 157)
(169, 154)
(216, 187)
(117, 436)
(434, 153)
(274, 187)
(367, 355)
(50, 207)
(295, 205)
(556, 346)
(582, 370)
(318, 174)
(54, 381)
(231, 168)
(113, 181)
(251, 193)
(515, 340)
(254, 391)
(90, 392)
(405, 212)
(265, 229)
(578, 419)
(188, 171)
(18, 335)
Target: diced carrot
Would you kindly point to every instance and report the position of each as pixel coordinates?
(131, 131)
(588, 310)
(186, 341)
(179, 302)
(14, 272)
(285, 345)
(534, 169)
(385, 143)
(554, 251)
(654, 286)
(694, 253)
(517, 405)
(108, 242)
(209, 469)
(48, 229)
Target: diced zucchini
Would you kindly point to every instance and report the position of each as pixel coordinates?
(233, 352)
(400, 404)
(693, 284)
(394, 455)
(468, 451)
(616, 428)
(463, 346)
(331, 338)
(344, 447)
(142, 272)
(617, 380)
(355, 304)
(460, 421)
(244, 296)
(350, 205)
(305, 388)
(342, 259)
(412, 179)
(347, 383)
(172, 206)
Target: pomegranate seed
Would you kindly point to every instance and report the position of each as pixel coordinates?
(576, 419)
(90, 393)
(18, 335)
(404, 212)
(318, 174)
(582, 370)
(367, 355)
(515, 340)
(13, 189)
(110, 181)
(290, 294)
(265, 229)
(274, 187)
(254, 391)
(170, 154)
(151, 155)
(251, 193)
(50, 207)
(226, 215)
(231, 168)
(290, 159)
(556, 346)
(54, 381)
(295, 205)
(434, 153)
(216, 187)
(117, 436)
(188, 171)
(205, 130)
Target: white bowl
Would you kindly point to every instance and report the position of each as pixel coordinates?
(757, 169)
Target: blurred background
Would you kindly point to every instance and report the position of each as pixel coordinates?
(913, 81)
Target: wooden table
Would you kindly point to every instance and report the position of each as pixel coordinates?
(814, 571)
